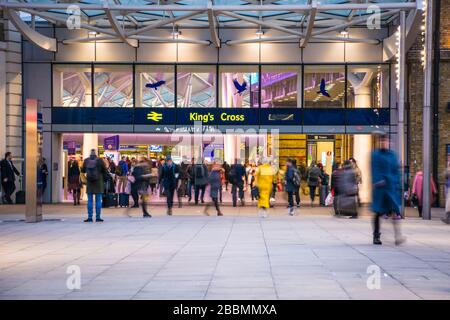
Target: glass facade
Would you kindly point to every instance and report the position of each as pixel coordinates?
(223, 86)
(113, 86)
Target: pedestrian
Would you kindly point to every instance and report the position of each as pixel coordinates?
(169, 179)
(153, 178)
(253, 185)
(226, 168)
(386, 188)
(182, 182)
(141, 174)
(200, 172)
(161, 188)
(347, 199)
(324, 182)
(122, 171)
(44, 174)
(74, 180)
(292, 178)
(215, 185)
(95, 171)
(237, 178)
(8, 175)
(134, 191)
(446, 219)
(297, 182)
(264, 178)
(334, 185)
(191, 179)
(417, 190)
(313, 180)
(358, 175)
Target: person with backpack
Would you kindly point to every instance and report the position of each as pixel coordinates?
(169, 179)
(297, 180)
(201, 180)
(95, 171)
(215, 183)
(122, 170)
(313, 180)
(292, 178)
(141, 174)
(237, 178)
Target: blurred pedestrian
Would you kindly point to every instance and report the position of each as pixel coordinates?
(335, 177)
(386, 188)
(141, 174)
(122, 171)
(226, 168)
(95, 171)
(200, 180)
(74, 185)
(347, 201)
(215, 185)
(446, 219)
(313, 180)
(238, 179)
(265, 176)
(169, 179)
(358, 176)
(324, 182)
(8, 176)
(417, 190)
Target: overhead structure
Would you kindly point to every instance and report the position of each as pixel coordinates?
(134, 21)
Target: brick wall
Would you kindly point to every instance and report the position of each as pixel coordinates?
(415, 101)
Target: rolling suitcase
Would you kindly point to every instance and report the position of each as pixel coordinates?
(347, 205)
(109, 200)
(124, 200)
(20, 195)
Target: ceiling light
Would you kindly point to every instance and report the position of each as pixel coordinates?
(344, 33)
(259, 33)
(176, 33)
(92, 33)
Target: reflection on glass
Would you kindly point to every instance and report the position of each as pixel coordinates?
(239, 87)
(280, 86)
(155, 86)
(196, 86)
(72, 86)
(368, 86)
(113, 86)
(324, 87)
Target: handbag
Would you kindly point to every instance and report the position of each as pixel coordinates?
(329, 199)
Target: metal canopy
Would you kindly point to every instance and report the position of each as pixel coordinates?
(128, 20)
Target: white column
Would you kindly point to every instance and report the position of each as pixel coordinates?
(57, 167)
(229, 147)
(90, 141)
(362, 143)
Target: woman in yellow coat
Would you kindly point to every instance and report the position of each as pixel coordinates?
(264, 180)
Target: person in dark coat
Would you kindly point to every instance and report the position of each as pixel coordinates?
(335, 177)
(386, 188)
(226, 168)
(201, 180)
(8, 176)
(313, 180)
(215, 184)
(291, 188)
(44, 174)
(95, 170)
(74, 181)
(191, 179)
(141, 176)
(183, 179)
(169, 179)
(348, 191)
(237, 177)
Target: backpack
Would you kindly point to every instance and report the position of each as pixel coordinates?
(199, 172)
(296, 179)
(92, 172)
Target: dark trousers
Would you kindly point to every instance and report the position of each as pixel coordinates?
(274, 190)
(297, 195)
(202, 196)
(312, 192)
(215, 201)
(376, 226)
(135, 196)
(169, 194)
(8, 190)
(190, 185)
(76, 193)
(152, 187)
(290, 198)
(419, 207)
(235, 189)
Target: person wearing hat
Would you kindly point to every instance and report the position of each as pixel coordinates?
(169, 179)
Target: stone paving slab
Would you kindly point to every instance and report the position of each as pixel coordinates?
(239, 256)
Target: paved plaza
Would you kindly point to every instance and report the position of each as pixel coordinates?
(239, 256)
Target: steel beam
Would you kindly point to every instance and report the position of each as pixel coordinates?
(119, 30)
(213, 25)
(309, 28)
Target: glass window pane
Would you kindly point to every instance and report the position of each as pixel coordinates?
(155, 86)
(113, 85)
(196, 86)
(239, 86)
(324, 87)
(72, 85)
(368, 86)
(280, 86)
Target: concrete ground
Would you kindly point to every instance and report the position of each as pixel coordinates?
(312, 255)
